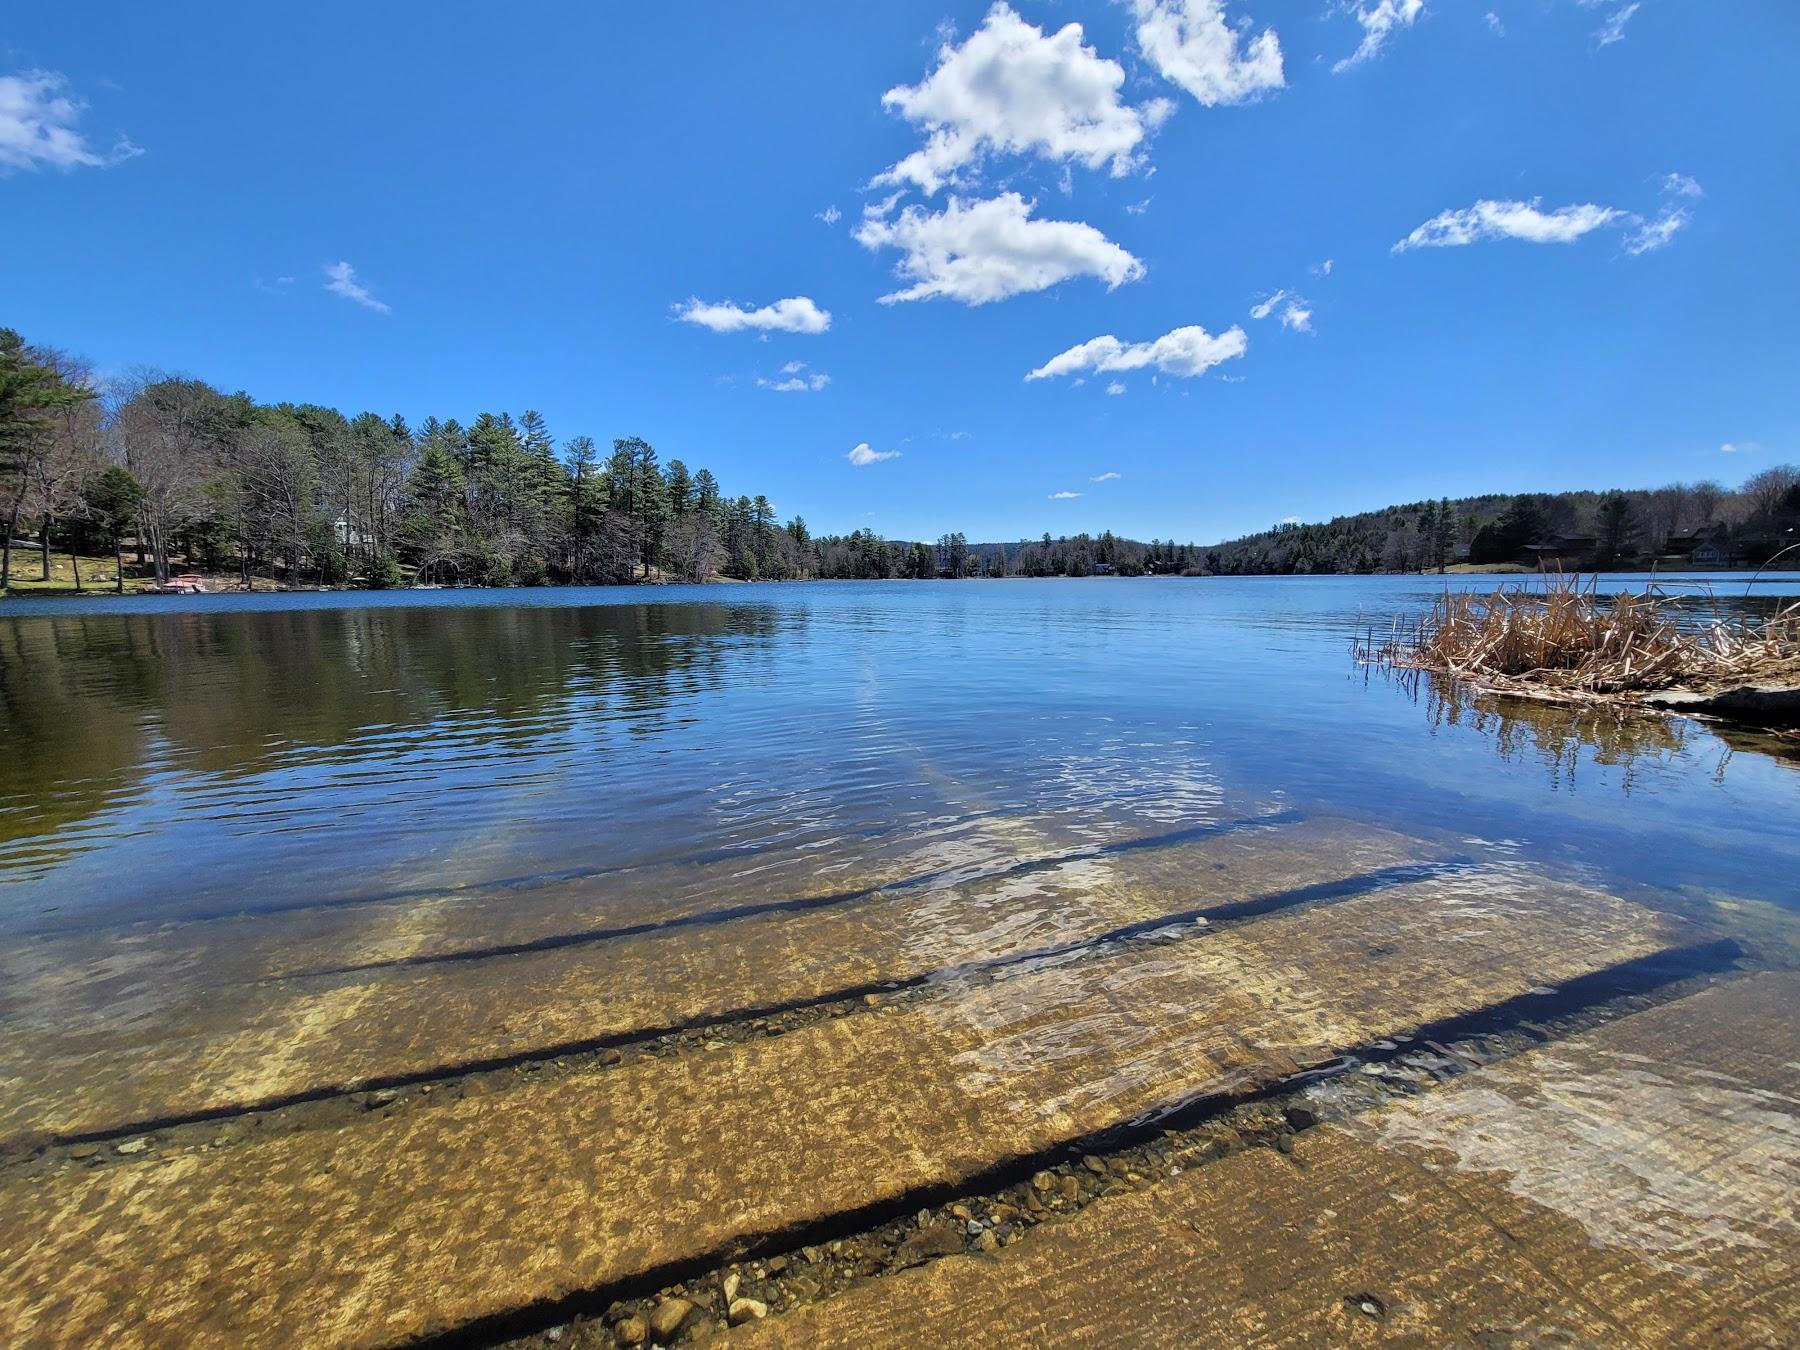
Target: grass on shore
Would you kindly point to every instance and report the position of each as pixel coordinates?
(97, 574)
(1486, 569)
(1565, 639)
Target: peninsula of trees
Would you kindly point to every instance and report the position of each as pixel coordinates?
(197, 479)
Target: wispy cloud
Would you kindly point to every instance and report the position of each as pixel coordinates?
(341, 279)
(1740, 448)
(796, 314)
(797, 378)
(1613, 30)
(39, 128)
(830, 215)
(1064, 496)
(1651, 235)
(1530, 223)
(1509, 220)
(1379, 21)
(1296, 312)
(1115, 388)
(864, 455)
(1185, 352)
(1494, 26)
(1106, 477)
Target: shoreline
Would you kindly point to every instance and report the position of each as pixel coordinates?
(37, 590)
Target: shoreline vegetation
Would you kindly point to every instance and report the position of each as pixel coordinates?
(99, 577)
(1563, 642)
(163, 482)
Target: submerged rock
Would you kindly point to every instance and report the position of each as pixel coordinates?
(937, 1240)
(667, 1316)
(132, 1146)
(630, 1330)
(746, 1310)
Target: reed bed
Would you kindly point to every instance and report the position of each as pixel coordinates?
(1561, 639)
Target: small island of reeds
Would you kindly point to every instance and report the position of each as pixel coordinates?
(1558, 638)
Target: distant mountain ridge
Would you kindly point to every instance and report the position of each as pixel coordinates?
(1703, 523)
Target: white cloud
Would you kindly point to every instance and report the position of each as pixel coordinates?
(1378, 21)
(1190, 44)
(1137, 208)
(38, 126)
(1492, 20)
(1322, 269)
(1651, 235)
(1010, 89)
(1064, 496)
(1290, 520)
(1186, 352)
(830, 215)
(796, 314)
(1296, 311)
(1115, 388)
(980, 251)
(1509, 220)
(1739, 448)
(1613, 30)
(1106, 477)
(341, 279)
(800, 380)
(862, 455)
(1263, 308)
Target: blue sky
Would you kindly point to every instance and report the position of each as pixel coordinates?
(594, 210)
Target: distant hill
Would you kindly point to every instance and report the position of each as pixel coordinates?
(1704, 523)
(1616, 528)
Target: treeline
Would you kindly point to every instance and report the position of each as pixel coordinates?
(866, 556)
(218, 481)
(1620, 528)
(197, 478)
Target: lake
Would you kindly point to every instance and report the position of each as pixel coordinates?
(168, 758)
(262, 856)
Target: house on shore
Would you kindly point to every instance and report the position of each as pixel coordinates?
(1713, 548)
(1570, 552)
